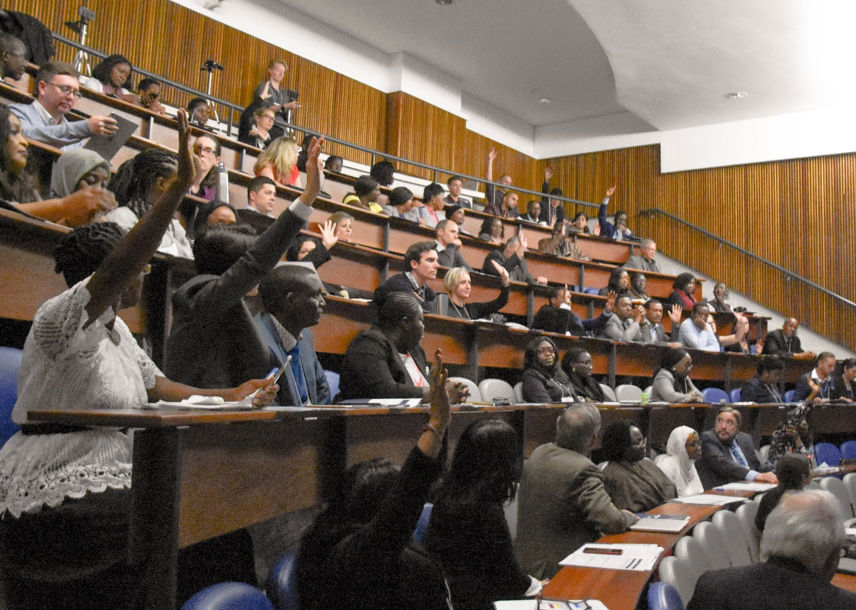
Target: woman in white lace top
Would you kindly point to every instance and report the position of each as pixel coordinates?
(64, 491)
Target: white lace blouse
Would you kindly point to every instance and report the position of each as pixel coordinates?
(66, 366)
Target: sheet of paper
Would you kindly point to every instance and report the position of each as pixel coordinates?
(550, 604)
(661, 523)
(635, 557)
(709, 499)
(745, 486)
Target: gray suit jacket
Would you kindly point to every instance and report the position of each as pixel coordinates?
(562, 504)
(63, 134)
(615, 329)
(450, 256)
(639, 262)
(657, 335)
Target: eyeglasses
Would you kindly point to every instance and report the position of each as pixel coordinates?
(204, 149)
(66, 90)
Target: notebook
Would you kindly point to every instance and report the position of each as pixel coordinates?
(661, 523)
(108, 146)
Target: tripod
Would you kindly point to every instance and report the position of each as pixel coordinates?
(81, 58)
(209, 66)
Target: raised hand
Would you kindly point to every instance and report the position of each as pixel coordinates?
(548, 173)
(611, 190)
(502, 271)
(675, 313)
(314, 171)
(610, 301)
(328, 234)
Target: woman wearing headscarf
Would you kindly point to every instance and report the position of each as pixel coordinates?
(678, 464)
(792, 435)
(672, 382)
(76, 169)
(577, 365)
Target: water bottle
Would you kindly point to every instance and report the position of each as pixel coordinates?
(646, 396)
(222, 183)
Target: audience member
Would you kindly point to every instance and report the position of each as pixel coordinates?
(261, 197)
(384, 173)
(683, 291)
(697, 333)
(728, 455)
(365, 195)
(638, 284)
(334, 163)
(799, 556)
(492, 230)
(741, 333)
(844, 385)
(200, 113)
(33, 33)
(763, 388)
(421, 261)
(495, 197)
(792, 436)
(356, 554)
(794, 472)
(562, 502)
(507, 207)
(79, 168)
(467, 532)
(619, 282)
(645, 261)
(44, 119)
(456, 214)
(207, 150)
(618, 230)
(561, 243)
(552, 209)
(577, 365)
(303, 153)
(112, 77)
(784, 341)
(817, 385)
(138, 183)
(653, 331)
(459, 286)
(214, 214)
(214, 337)
(579, 224)
(533, 213)
(343, 225)
(456, 185)
(71, 486)
(13, 57)
(624, 325)
(432, 196)
(631, 479)
(543, 380)
(447, 244)
(402, 205)
(259, 135)
(279, 162)
(683, 449)
(292, 294)
(672, 382)
(510, 256)
(720, 294)
(149, 90)
(558, 317)
(271, 92)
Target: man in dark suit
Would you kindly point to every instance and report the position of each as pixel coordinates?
(558, 317)
(447, 244)
(728, 455)
(510, 256)
(562, 502)
(420, 260)
(653, 331)
(784, 341)
(799, 551)
(292, 296)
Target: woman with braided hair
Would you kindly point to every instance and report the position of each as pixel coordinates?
(65, 490)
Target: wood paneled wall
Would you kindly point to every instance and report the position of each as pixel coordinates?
(798, 214)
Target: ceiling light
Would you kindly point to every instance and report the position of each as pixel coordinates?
(444, 2)
(737, 95)
(544, 100)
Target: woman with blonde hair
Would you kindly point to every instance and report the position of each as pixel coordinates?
(459, 286)
(279, 162)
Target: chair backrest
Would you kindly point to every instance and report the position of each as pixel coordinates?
(518, 391)
(836, 487)
(714, 395)
(281, 586)
(608, 393)
(663, 596)
(763, 453)
(10, 362)
(849, 481)
(827, 453)
(333, 382)
(677, 574)
(848, 450)
(713, 543)
(627, 392)
(789, 396)
(475, 395)
(737, 543)
(688, 550)
(736, 395)
(422, 523)
(746, 513)
(493, 389)
(229, 596)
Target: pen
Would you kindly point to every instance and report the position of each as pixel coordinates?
(597, 551)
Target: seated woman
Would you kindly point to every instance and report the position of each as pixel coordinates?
(672, 382)
(18, 186)
(459, 286)
(492, 230)
(678, 464)
(79, 168)
(112, 77)
(365, 195)
(402, 205)
(357, 553)
(467, 532)
(632, 480)
(216, 213)
(543, 380)
(138, 183)
(844, 385)
(580, 224)
(279, 162)
(343, 226)
(577, 365)
(741, 333)
(619, 283)
(259, 133)
(71, 485)
(637, 292)
(683, 291)
(794, 473)
(792, 436)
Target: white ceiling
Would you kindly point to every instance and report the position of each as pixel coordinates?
(661, 64)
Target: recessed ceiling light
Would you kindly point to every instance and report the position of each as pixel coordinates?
(444, 2)
(737, 95)
(544, 100)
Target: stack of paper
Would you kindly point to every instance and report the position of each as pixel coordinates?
(709, 499)
(636, 557)
(661, 523)
(551, 604)
(209, 403)
(745, 486)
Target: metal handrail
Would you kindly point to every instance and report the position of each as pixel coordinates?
(787, 272)
(374, 153)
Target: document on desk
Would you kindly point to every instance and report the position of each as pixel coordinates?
(635, 557)
(661, 523)
(551, 604)
(709, 499)
(382, 402)
(207, 403)
(745, 486)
